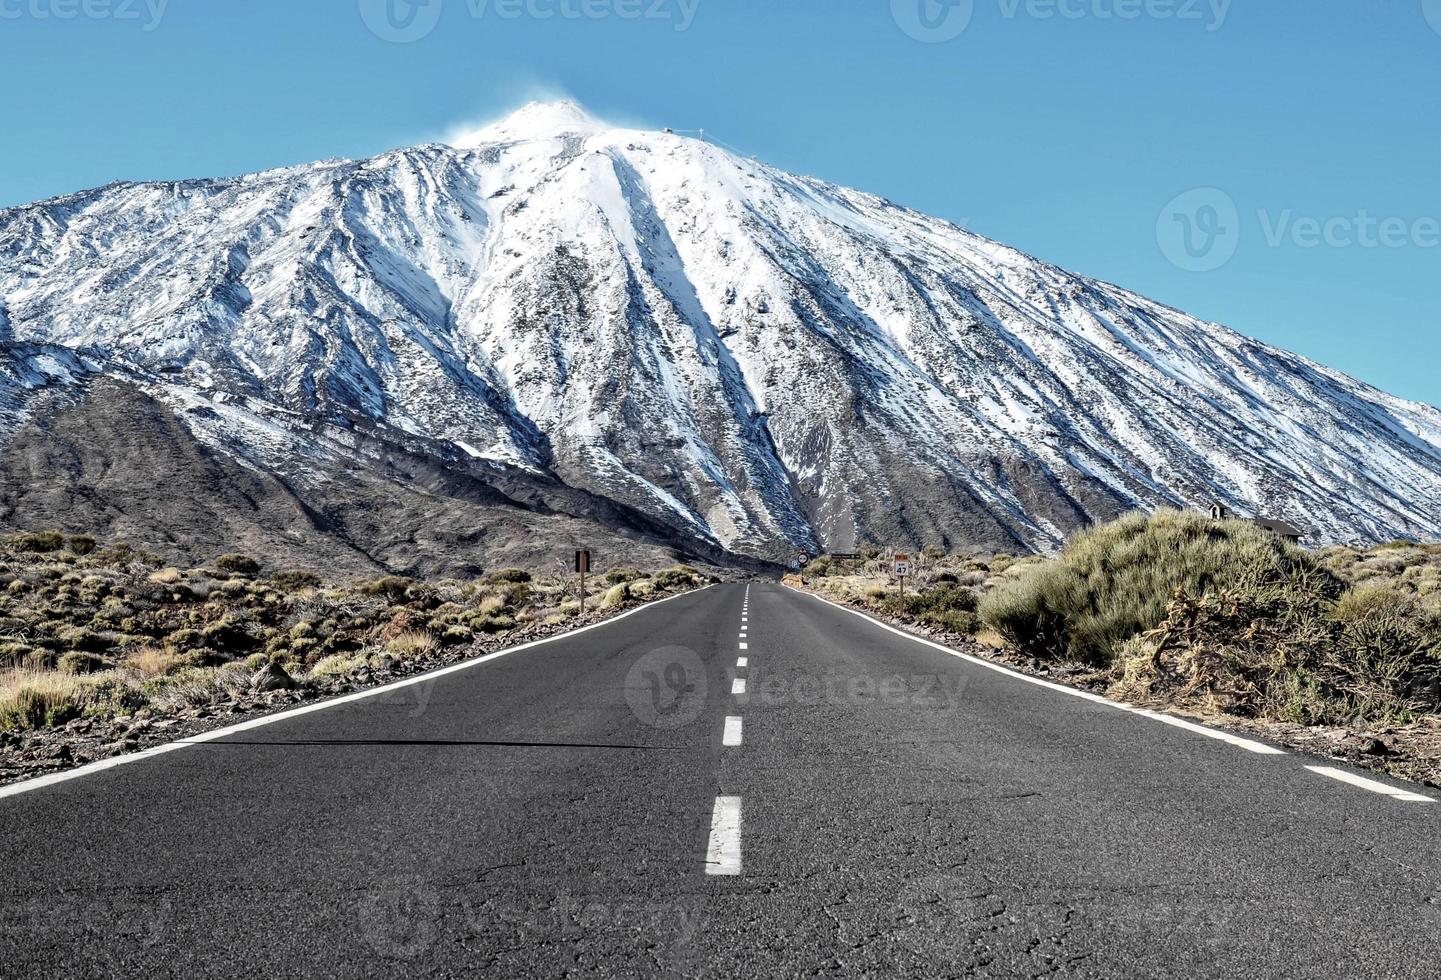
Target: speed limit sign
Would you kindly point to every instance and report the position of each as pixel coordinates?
(903, 566)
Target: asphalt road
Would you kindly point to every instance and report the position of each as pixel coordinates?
(574, 810)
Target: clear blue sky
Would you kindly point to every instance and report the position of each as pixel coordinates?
(1066, 136)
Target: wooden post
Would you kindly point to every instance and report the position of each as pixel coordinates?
(582, 565)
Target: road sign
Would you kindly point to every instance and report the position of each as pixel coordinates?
(903, 566)
(804, 559)
(582, 565)
(839, 556)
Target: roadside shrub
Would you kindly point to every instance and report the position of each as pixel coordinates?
(238, 564)
(414, 643)
(615, 596)
(1284, 652)
(153, 662)
(40, 542)
(679, 577)
(36, 700)
(83, 638)
(494, 624)
(117, 554)
(625, 574)
(509, 576)
(391, 587)
(77, 662)
(295, 580)
(948, 605)
(456, 635)
(336, 665)
(1118, 580)
(81, 544)
(13, 653)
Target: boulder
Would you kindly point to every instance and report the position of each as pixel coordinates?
(271, 677)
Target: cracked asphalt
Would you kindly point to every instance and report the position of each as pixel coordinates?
(905, 814)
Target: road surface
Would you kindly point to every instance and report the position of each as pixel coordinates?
(631, 802)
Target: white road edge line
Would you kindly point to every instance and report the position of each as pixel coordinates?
(723, 856)
(1241, 743)
(1394, 792)
(738, 686)
(90, 769)
(733, 730)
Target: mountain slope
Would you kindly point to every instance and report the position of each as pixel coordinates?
(760, 362)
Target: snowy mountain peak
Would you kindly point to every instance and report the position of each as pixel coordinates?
(755, 360)
(533, 121)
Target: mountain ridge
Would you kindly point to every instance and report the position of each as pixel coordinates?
(759, 361)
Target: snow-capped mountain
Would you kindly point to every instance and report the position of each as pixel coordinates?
(754, 360)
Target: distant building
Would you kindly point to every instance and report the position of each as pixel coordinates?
(1281, 529)
(1293, 534)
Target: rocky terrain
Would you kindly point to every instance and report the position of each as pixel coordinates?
(564, 331)
(105, 649)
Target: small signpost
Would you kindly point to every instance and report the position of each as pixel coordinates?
(903, 570)
(582, 565)
(803, 560)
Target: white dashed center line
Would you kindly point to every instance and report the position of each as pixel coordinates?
(723, 856)
(732, 735)
(1370, 784)
(738, 686)
(743, 662)
(745, 646)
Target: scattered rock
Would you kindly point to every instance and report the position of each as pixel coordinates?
(271, 677)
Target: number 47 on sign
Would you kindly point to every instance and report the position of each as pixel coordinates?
(903, 570)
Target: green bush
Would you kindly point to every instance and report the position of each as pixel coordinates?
(81, 544)
(78, 662)
(508, 576)
(13, 652)
(237, 564)
(495, 624)
(83, 638)
(679, 577)
(392, 587)
(456, 635)
(294, 580)
(947, 605)
(1284, 651)
(626, 574)
(40, 542)
(1118, 580)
